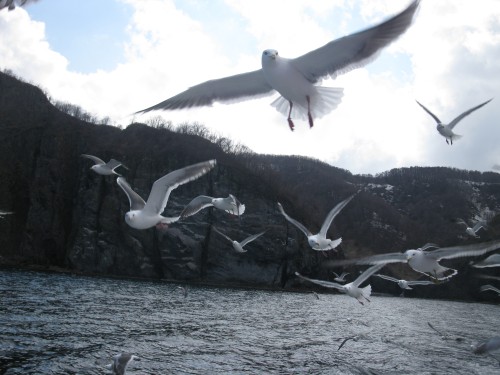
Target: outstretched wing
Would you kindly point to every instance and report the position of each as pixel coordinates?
(462, 251)
(421, 282)
(196, 205)
(240, 86)
(429, 112)
(387, 277)
(366, 274)
(95, 159)
(466, 113)
(294, 222)
(331, 215)
(160, 192)
(251, 238)
(326, 284)
(489, 287)
(112, 164)
(374, 259)
(222, 234)
(135, 200)
(355, 50)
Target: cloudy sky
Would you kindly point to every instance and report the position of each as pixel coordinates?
(115, 57)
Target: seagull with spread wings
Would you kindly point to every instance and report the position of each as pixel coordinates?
(144, 215)
(352, 289)
(446, 130)
(230, 204)
(405, 284)
(295, 79)
(424, 260)
(103, 168)
(319, 241)
(238, 246)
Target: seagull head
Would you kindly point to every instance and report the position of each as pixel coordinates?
(130, 217)
(313, 242)
(270, 54)
(410, 254)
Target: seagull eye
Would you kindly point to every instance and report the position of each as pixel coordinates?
(265, 52)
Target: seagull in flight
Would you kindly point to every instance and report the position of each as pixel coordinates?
(238, 246)
(352, 289)
(230, 204)
(472, 231)
(144, 215)
(446, 130)
(319, 241)
(424, 260)
(103, 168)
(405, 284)
(341, 278)
(296, 79)
(121, 361)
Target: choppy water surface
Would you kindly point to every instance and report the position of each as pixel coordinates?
(59, 324)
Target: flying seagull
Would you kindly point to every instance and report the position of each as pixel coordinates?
(103, 168)
(472, 231)
(341, 278)
(295, 79)
(319, 241)
(424, 260)
(405, 284)
(3, 213)
(121, 361)
(144, 215)
(230, 204)
(238, 246)
(351, 289)
(491, 261)
(446, 130)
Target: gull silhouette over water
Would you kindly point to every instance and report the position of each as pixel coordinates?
(144, 215)
(238, 246)
(295, 79)
(446, 130)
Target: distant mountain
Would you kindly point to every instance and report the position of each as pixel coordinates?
(66, 216)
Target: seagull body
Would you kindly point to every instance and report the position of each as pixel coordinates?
(144, 215)
(352, 289)
(472, 231)
(341, 278)
(238, 246)
(103, 168)
(424, 261)
(491, 261)
(230, 204)
(121, 361)
(446, 130)
(319, 241)
(295, 79)
(486, 287)
(405, 284)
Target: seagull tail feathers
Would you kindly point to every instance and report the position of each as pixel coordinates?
(366, 291)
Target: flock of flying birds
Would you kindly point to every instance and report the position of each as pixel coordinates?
(296, 80)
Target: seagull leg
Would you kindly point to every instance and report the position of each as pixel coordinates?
(447, 141)
(309, 116)
(290, 122)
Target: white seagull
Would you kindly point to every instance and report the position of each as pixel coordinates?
(144, 215)
(446, 130)
(425, 261)
(121, 361)
(491, 261)
(351, 289)
(319, 241)
(238, 246)
(486, 287)
(341, 278)
(472, 231)
(103, 168)
(405, 284)
(295, 79)
(230, 204)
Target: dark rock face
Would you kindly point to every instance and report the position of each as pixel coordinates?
(68, 216)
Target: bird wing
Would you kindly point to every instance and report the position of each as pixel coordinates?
(430, 113)
(374, 259)
(95, 159)
(222, 234)
(387, 277)
(231, 88)
(135, 200)
(428, 246)
(326, 284)
(160, 192)
(240, 207)
(112, 164)
(251, 238)
(466, 113)
(353, 51)
(478, 226)
(489, 287)
(196, 205)
(462, 251)
(366, 274)
(331, 215)
(421, 282)
(294, 222)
